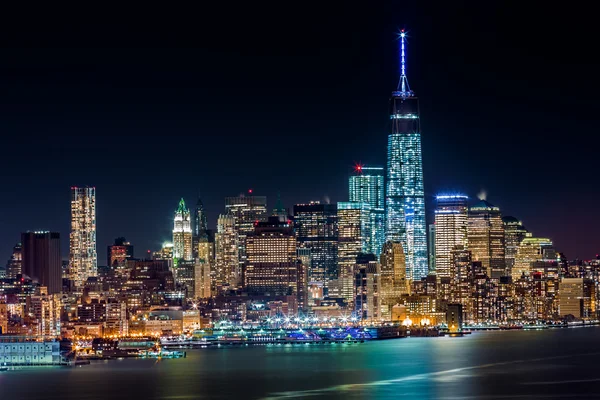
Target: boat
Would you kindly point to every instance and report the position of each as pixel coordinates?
(161, 354)
(3, 369)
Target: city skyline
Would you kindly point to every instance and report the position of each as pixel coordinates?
(433, 71)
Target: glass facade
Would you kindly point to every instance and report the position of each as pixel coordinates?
(367, 186)
(405, 200)
(316, 227)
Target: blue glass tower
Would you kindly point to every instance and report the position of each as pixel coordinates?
(366, 186)
(405, 200)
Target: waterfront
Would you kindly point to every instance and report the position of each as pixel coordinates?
(549, 364)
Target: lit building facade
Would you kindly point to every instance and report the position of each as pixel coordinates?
(532, 251)
(182, 234)
(41, 259)
(577, 298)
(514, 233)
(227, 268)
(367, 186)
(15, 263)
(118, 253)
(367, 302)
(405, 199)
(272, 266)
(83, 258)
(393, 282)
(450, 230)
(354, 237)
(316, 227)
(246, 210)
(485, 238)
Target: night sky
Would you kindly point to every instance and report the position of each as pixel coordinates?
(150, 105)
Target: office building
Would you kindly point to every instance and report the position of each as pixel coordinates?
(118, 253)
(532, 251)
(450, 230)
(354, 237)
(182, 234)
(227, 268)
(367, 302)
(41, 259)
(316, 227)
(485, 238)
(577, 298)
(514, 233)
(405, 199)
(393, 282)
(431, 247)
(272, 266)
(247, 210)
(367, 186)
(83, 259)
(15, 263)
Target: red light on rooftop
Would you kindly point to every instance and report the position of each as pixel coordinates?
(249, 190)
(358, 167)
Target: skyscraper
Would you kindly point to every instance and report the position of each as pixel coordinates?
(532, 251)
(405, 199)
(393, 282)
(15, 263)
(272, 266)
(450, 230)
(41, 259)
(246, 210)
(485, 238)
(182, 234)
(227, 267)
(514, 233)
(83, 259)
(200, 223)
(354, 237)
(316, 227)
(367, 186)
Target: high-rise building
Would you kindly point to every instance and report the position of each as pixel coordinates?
(354, 237)
(450, 230)
(485, 238)
(15, 263)
(272, 266)
(393, 281)
(182, 234)
(118, 253)
(405, 198)
(367, 186)
(41, 259)
(227, 268)
(83, 259)
(532, 251)
(577, 297)
(247, 211)
(367, 301)
(514, 233)
(200, 222)
(316, 227)
(431, 247)
(279, 210)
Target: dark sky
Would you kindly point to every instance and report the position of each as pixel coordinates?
(150, 105)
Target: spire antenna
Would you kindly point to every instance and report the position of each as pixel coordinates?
(403, 89)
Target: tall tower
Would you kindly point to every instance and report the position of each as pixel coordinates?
(227, 268)
(41, 259)
(366, 186)
(405, 199)
(83, 259)
(450, 230)
(182, 234)
(486, 238)
(316, 228)
(514, 233)
(200, 224)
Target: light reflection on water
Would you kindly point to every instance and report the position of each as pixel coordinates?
(549, 364)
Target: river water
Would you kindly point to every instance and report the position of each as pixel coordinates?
(549, 364)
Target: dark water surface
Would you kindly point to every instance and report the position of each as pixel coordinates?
(550, 364)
